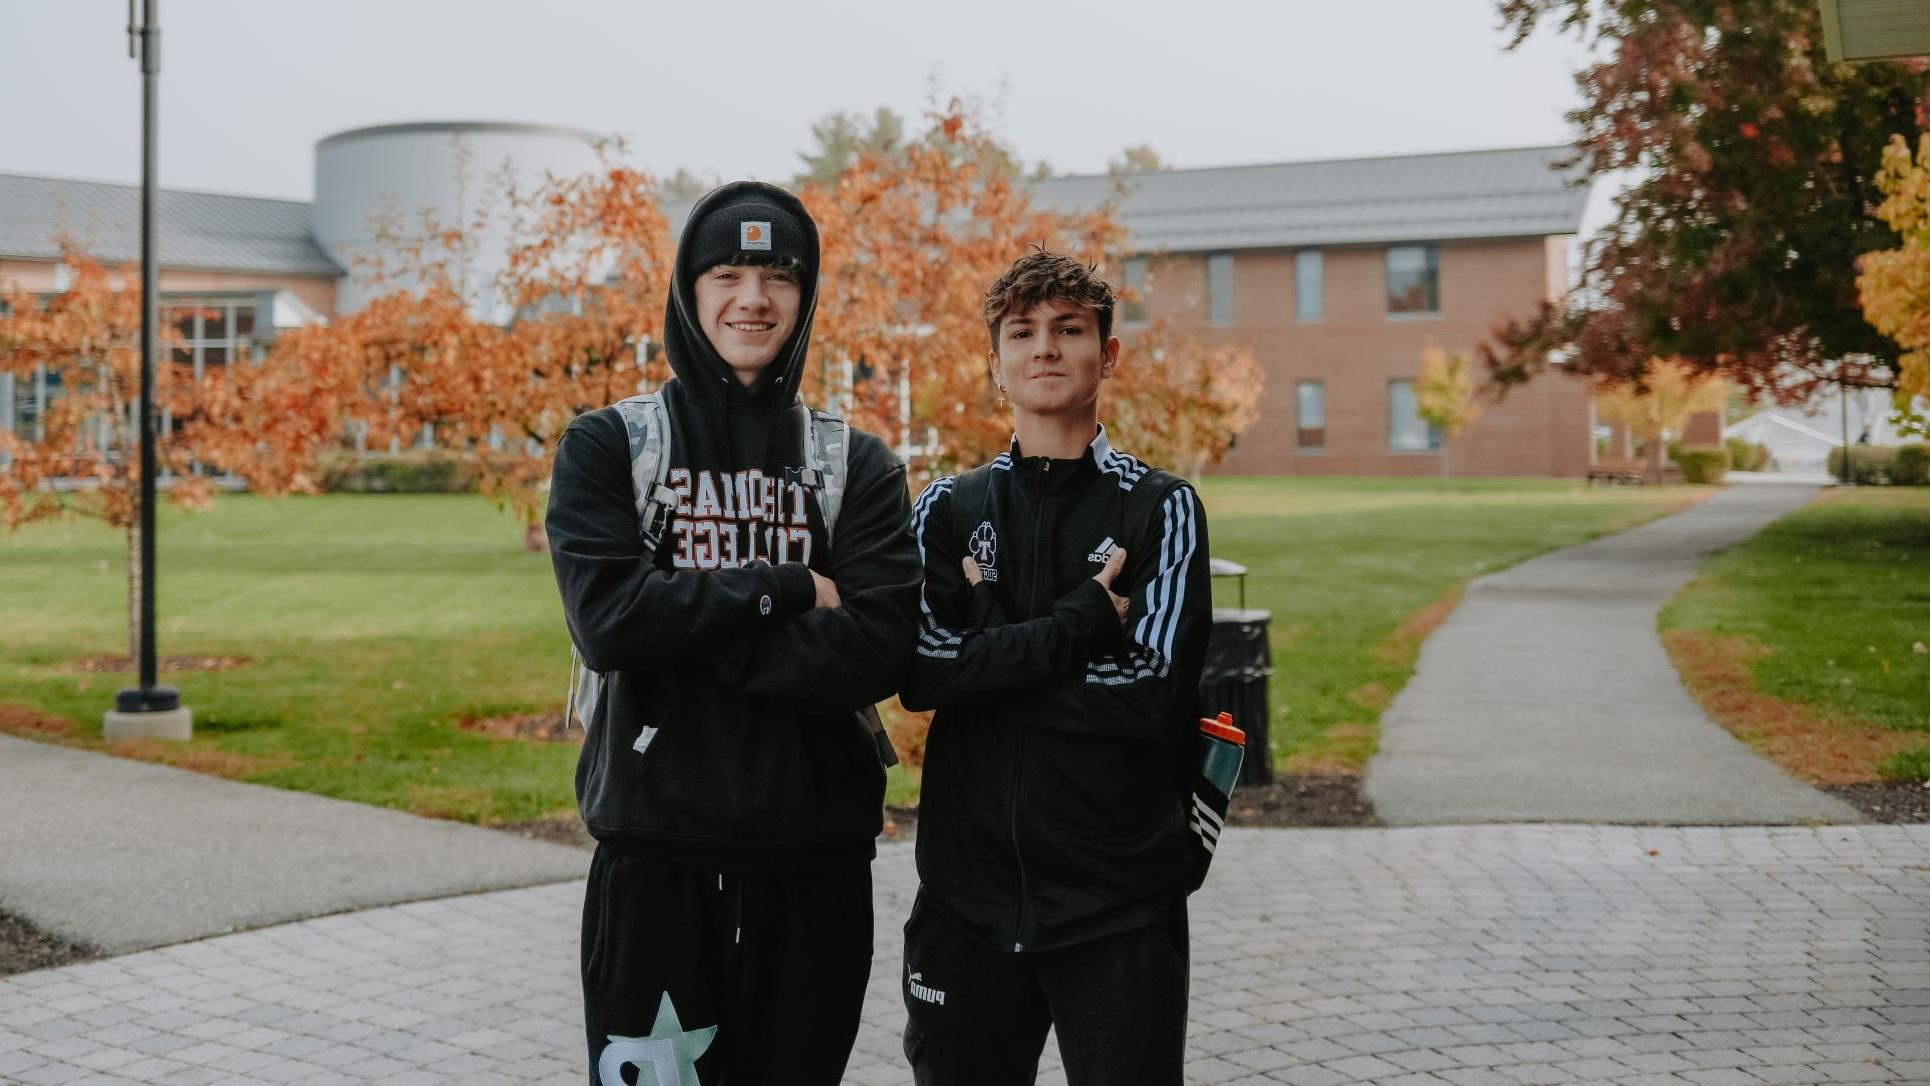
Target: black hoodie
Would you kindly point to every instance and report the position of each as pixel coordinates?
(758, 759)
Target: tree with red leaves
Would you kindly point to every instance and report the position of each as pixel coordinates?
(1735, 250)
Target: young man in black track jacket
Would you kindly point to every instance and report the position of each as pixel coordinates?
(733, 790)
(1064, 621)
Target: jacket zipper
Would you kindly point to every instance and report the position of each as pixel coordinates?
(1018, 741)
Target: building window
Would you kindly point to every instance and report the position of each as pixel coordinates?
(211, 331)
(28, 395)
(1413, 279)
(1308, 274)
(1312, 415)
(1406, 430)
(1219, 288)
(1132, 307)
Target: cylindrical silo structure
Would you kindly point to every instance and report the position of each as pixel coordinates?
(455, 170)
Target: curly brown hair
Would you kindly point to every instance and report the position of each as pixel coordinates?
(1043, 276)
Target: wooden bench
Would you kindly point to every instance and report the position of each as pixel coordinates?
(1624, 471)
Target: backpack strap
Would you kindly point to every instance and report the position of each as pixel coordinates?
(827, 464)
(972, 498)
(647, 423)
(827, 472)
(1142, 503)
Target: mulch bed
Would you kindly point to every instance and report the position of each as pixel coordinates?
(1887, 801)
(1302, 800)
(24, 948)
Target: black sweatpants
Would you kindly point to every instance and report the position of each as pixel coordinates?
(748, 978)
(979, 1016)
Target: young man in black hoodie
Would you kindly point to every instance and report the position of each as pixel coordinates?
(734, 791)
(1065, 613)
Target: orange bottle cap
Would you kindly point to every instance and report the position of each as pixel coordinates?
(1223, 728)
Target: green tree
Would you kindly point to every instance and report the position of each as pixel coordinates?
(839, 138)
(684, 186)
(1137, 159)
(1735, 252)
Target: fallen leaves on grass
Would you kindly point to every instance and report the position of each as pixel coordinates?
(1818, 747)
(1400, 648)
(547, 727)
(22, 720)
(1343, 751)
(94, 665)
(452, 801)
(213, 762)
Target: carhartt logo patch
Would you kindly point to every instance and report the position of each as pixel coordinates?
(754, 235)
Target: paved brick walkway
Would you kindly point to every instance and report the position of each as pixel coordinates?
(1504, 955)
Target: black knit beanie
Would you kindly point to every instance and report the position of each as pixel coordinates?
(748, 231)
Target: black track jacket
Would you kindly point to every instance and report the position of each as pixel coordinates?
(1056, 770)
(759, 759)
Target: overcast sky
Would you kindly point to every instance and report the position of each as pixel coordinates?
(731, 88)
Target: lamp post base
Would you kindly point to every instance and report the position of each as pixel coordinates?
(153, 712)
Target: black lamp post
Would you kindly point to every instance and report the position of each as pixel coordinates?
(149, 710)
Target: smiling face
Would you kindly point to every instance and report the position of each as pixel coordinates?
(748, 312)
(1051, 359)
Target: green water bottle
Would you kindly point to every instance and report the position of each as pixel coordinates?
(1222, 746)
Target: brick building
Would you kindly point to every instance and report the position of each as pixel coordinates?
(1337, 273)
(234, 268)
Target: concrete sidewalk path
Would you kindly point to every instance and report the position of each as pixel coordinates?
(1547, 696)
(1436, 956)
(120, 855)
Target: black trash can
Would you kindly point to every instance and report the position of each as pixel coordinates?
(1234, 680)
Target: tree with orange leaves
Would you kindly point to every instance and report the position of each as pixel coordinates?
(910, 241)
(81, 454)
(585, 281)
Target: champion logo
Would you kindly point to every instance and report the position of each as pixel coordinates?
(928, 995)
(754, 235)
(1103, 551)
(763, 605)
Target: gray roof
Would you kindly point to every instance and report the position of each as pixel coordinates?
(197, 229)
(1433, 197)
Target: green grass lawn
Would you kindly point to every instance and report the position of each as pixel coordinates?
(1832, 604)
(373, 623)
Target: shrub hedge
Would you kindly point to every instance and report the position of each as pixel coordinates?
(1703, 463)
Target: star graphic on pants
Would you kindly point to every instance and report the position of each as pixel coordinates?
(669, 1053)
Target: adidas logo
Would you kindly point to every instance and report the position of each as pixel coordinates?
(1206, 823)
(1102, 552)
(929, 995)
